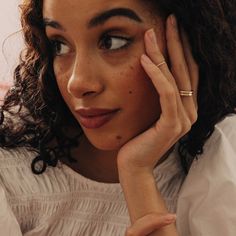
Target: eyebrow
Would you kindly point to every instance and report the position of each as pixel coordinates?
(51, 23)
(99, 19)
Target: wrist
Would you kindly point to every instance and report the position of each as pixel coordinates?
(131, 168)
(141, 193)
(134, 176)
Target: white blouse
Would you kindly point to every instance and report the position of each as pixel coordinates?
(61, 202)
(207, 201)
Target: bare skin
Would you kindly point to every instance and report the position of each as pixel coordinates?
(119, 75)
(91, 73)
(176, 119)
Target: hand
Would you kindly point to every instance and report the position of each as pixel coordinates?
(178, 113)
(149, 223)
(137, 158)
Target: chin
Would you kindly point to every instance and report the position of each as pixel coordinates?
(107, 144)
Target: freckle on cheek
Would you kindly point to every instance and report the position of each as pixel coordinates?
(130, 92)
(118, 137)
(58, 70)
(131, 67)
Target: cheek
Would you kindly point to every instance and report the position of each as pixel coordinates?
(62, 80)
(142, 94)
(143, 106)
(135, 81)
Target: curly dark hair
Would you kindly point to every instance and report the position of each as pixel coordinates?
(35, 99)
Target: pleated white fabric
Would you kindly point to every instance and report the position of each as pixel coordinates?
(61, 202)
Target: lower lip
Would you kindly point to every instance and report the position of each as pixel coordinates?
(96, 122)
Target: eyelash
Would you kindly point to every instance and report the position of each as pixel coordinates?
(55, 43)
(106, 36)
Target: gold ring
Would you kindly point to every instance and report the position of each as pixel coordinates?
(161, 63)
(186, 93)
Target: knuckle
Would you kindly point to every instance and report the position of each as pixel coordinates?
(151, 216)
(186, 126)
(155, 53)
(130, 232)
(151, 52)
(177, 129)
(179, 68)
(168, 92)
(174, 37)
(193, 117)
(195, 67)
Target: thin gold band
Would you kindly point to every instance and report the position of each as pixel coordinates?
(186, 93)
(161, 63)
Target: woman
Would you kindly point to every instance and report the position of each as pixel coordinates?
(107, 113)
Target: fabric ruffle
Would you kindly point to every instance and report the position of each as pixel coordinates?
(63, 202)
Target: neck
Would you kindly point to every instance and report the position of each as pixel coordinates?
(95, 164)
(98, 165)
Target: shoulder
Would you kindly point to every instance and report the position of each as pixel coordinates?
(209, 190)
(224, 133)
(15, 152)
(220, 149)
(15, 156)
(15, 164)
(217, 164)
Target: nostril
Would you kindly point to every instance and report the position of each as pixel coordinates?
(88, 93)
(84, 86)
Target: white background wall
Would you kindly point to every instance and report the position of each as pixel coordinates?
(10, 41)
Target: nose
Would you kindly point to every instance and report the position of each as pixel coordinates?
(85, 79)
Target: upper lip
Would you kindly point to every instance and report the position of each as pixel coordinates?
(93, 112)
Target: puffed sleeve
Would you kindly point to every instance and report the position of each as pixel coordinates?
(207, 200)
(8, 223)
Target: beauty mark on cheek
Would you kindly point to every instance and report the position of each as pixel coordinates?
(118, 137)
(130, 92)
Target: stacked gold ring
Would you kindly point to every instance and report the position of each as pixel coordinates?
(186, 93)
(183, 93)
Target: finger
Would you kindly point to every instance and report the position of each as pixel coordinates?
(192, 66)
(149, 223)
(155, 54)
(172, 109)
(163, 87)
(171, 104)
(179, 66)
(157, 57)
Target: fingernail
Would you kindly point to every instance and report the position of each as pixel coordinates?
(146, 59)
(173, 20)
(170, 218)
(152, 36)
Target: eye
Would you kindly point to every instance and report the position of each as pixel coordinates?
(59, 48)
(110, 42)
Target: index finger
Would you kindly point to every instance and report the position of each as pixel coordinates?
(149, 223)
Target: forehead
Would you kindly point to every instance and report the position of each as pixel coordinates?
(56, 9)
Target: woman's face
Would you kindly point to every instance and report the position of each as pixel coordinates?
(97, 46)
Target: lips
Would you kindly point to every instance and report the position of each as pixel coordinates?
(93, 118)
